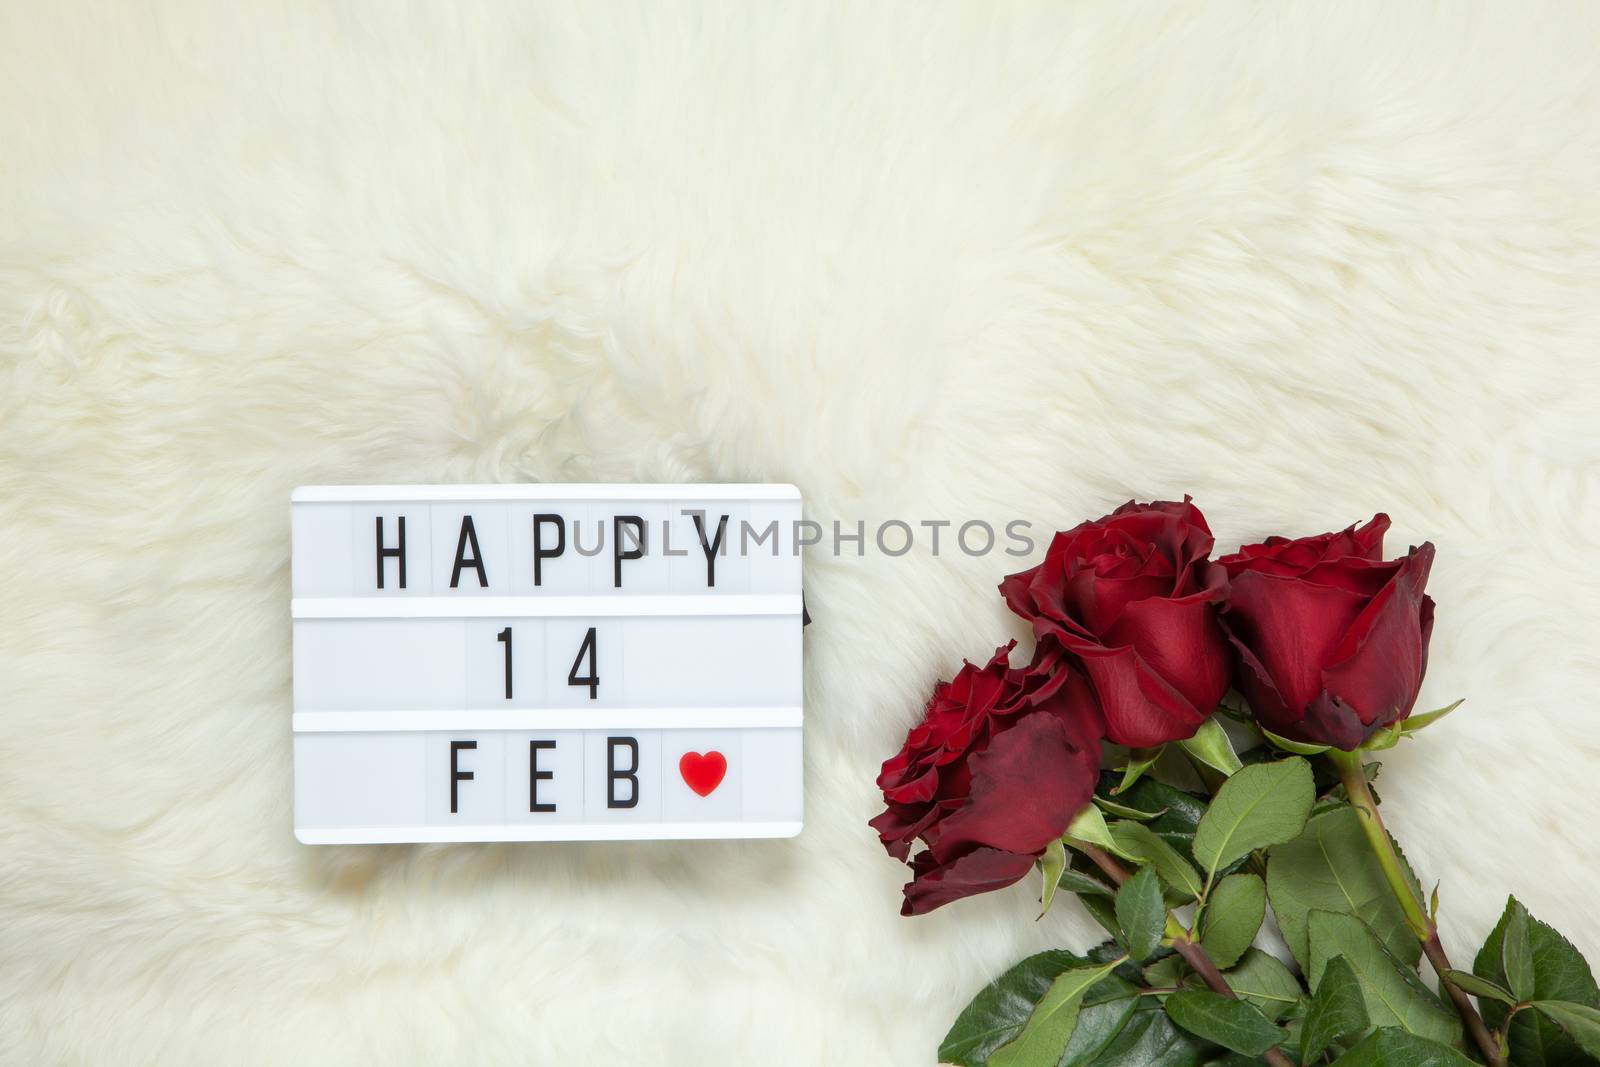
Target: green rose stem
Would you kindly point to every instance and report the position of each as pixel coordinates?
(1192, 953)
(1355, 786)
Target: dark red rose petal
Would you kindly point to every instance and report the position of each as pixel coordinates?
(1141, 709)
(1282, 556)
(1264, 559)
(1099, 602)
(1376, 669)
(1028, 602)
(1368, 541)
(1330, 721)
(1292, 627)
(1180, 641)
(1076, 705)
(1026, 789)
(1266, 703)
(898, 827)
(1426, 617)
(1364, 577)
(980, 871)
(921, 788)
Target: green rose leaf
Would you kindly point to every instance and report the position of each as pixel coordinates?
(1393, 1048)
(1234, 913)
(1330, 867)
(1581, 1022)
(1148, 1039)
(1176, 812)
(1560, 973)
(1264, 981)
(1051, 865)
(1110, 952)
(1479, 987)
(1394, 994)
(1139, 761)
(1210, 745)
(1233, 1024)
(1165, 973)
(1516, 955)
(1123, 811)
(1078, 882)
(1338, 1010)
(1427, 719)
(1099, 1023)
(1139, 842)
(999, 1011)
(1044, 1036)
(1090, 827)
(1264, 804)
(1142, 913)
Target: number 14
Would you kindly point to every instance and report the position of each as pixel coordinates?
(586, 650)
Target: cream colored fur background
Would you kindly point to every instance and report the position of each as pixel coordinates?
(966, 261)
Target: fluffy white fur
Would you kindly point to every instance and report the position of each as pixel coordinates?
(1303, 262)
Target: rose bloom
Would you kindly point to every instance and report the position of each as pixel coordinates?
(1133, 598)
(1332, 640)
(1000, 764)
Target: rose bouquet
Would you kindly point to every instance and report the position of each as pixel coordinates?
(1191, 741)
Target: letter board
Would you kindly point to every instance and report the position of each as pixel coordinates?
(546, 662)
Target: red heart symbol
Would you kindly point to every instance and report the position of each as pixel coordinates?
(703, 773)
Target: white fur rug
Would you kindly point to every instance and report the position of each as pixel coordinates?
(1305, 263)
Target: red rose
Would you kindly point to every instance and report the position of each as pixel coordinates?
(1332, 641)
(1133, 598)
(1002, 761)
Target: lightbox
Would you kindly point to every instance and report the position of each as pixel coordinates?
(546, 662)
